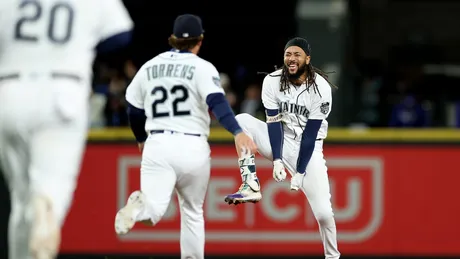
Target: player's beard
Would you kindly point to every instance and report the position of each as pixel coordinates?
(296, 75)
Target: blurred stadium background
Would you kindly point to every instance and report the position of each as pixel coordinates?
(392, 148)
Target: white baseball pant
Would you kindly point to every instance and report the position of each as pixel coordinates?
(316, 184)
(43, 127)
(182, 163)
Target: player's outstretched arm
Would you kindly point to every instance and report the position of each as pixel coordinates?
(208, 82)
(224, 114)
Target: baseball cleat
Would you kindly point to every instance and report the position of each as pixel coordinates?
(45, 233)
(248, 192)
(125, 218)
(297, 181)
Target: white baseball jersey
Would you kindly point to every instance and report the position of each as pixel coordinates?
(57, 35)
(43, 118)
(172, 89)
(298, 104)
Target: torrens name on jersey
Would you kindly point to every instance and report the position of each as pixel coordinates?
(286, 107)
(170, 70)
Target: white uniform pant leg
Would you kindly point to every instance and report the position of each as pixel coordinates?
(317, 190)
(14, 161)
(183, 163)
(192, 184)
(258, 131)
(56, 154)
(41, 151)
(158, 177)
(316, 184)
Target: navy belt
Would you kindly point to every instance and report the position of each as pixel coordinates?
(54, 75)
(174, 132)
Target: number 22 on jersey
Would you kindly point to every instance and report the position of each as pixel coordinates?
(161, 94)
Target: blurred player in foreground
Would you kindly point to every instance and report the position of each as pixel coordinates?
(46, 52)
(297, 100)
(169, 99)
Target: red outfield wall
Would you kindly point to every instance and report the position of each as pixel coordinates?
(390, 200)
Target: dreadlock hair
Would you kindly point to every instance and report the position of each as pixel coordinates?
(311, 78)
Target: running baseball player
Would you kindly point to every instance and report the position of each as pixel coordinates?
(298, 100)
(169, 99)
(46, 55)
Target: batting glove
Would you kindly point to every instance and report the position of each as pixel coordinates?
(297, 181)
(279, 173)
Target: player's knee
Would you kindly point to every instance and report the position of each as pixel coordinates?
(193, 214)
(155, 217)
(197, 219)
(327, 222)
(324, 214)
(156, 211)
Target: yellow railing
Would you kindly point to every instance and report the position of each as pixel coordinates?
(444, 135)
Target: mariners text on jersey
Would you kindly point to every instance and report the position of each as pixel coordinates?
(298, 104)
(301, 110)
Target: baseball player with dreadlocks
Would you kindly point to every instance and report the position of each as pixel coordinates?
(298, 100)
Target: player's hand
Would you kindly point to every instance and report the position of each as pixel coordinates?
(297, 181)
(279, 173)
(245, 143)
(141, 146)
